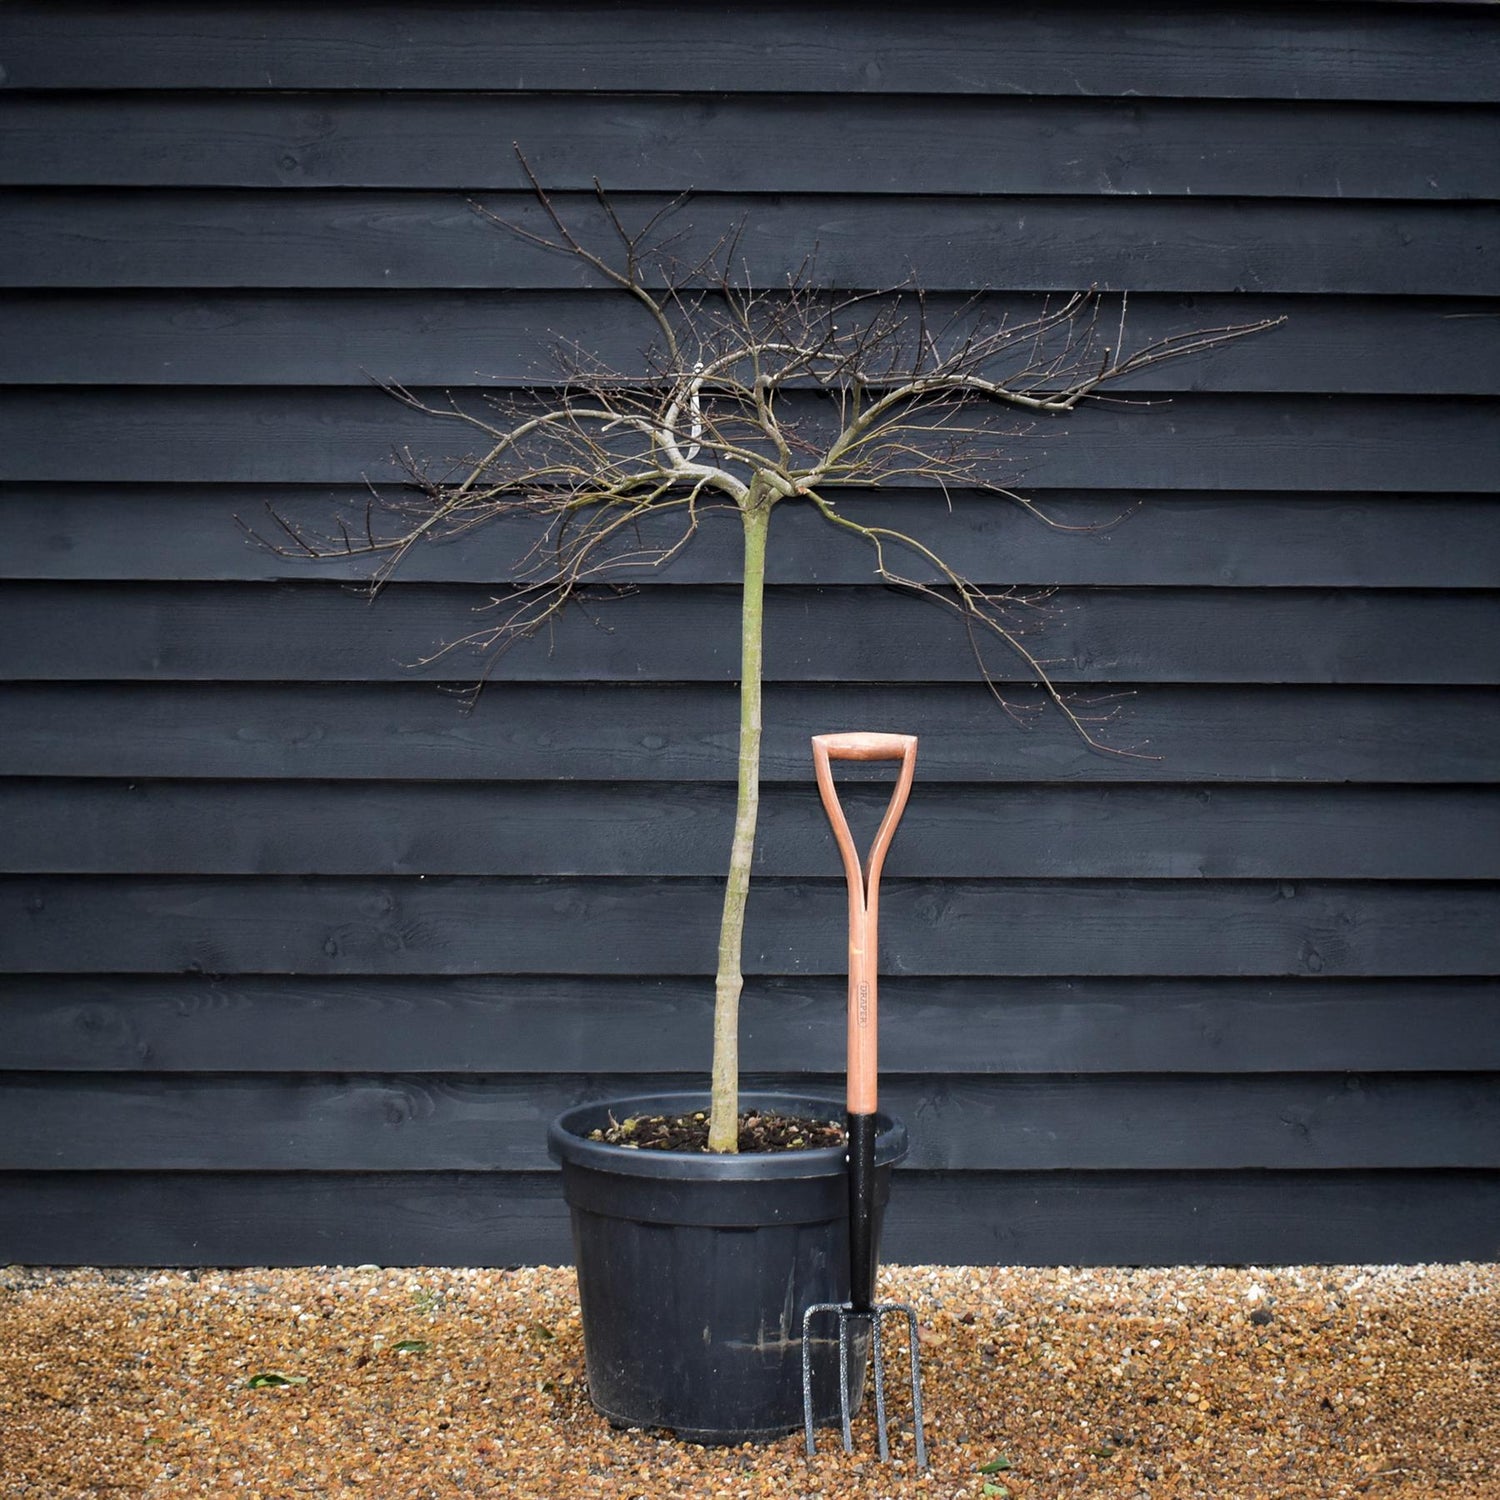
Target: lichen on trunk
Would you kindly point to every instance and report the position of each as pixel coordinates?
(729, 981)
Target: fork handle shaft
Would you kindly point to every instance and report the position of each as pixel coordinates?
(862, 1130)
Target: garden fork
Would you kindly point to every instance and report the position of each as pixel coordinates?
(864, 894)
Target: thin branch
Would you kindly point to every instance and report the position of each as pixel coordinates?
(979, 609)
(788, 395)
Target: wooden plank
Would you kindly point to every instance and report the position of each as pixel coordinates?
(1257, 50)
(822, 143)
(649, 828)
(1272, 1218)
(1330, 344)
(312, 632)
(530, 1024)
(472, 925)
(415, 239)
(254, 1122)
(541, 732)
(1232, 539)
(283, 1219)
(970, 1218)
(1192, 442)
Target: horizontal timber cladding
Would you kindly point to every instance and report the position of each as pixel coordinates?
(499, 1024)
(812, 144)
(1194, 441)
(535, 732)
(104, 532)
(472, 925)
(374, 238)
(650, 828)
(1006, 1218)
(299, 950)
(1252, 50)
(1328, 344)
(1123, 1122)
(308, 632)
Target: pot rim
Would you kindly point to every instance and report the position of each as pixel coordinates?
(567, 1140)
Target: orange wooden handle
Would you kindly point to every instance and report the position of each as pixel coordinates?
(864, 892)
(860, 745)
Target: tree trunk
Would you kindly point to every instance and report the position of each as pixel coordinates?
(723, 1127)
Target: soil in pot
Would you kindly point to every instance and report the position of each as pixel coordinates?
(759, 1130)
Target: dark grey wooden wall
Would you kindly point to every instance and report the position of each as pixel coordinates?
(299, 959)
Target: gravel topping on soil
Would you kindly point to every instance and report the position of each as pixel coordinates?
(418, 1384)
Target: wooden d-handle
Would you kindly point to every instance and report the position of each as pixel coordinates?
(864, 891)
(862, 746)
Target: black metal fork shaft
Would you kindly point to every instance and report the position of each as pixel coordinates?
(862, 1129)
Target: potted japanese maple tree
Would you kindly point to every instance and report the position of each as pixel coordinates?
(695, 1260)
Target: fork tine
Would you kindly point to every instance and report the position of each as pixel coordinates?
(916, 1379)
(877, 1356)
(844, 1380)
(807, 1397)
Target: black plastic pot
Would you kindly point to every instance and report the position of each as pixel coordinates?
(694, 1268)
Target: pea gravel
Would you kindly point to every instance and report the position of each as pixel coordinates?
(418, 1384)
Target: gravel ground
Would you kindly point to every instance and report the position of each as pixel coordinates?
(1316, 1381)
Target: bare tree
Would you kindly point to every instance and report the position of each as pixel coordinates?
(746, 398)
